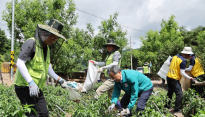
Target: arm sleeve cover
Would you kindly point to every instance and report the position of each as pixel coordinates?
(189, 68)
(114, 63)
(101, 63)
(23, 70)
(52, 73)
(182, 71)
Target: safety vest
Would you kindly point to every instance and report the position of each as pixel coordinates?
(37, 68)
(197, 69)
(145, 69)
(174, 69)
(109, 60)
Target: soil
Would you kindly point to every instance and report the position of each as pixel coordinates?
(7, 79)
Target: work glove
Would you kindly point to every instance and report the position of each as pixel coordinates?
(110, 108)
(33, 89)
(193, 80)
(100, 70)
(94, 62)
(125, 112)
(61, 80)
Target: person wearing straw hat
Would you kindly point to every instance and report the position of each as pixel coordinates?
(198, 72)
(176, 70)
(113, 58)
(33, 66)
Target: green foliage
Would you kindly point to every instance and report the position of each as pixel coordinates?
(81, 45)
(192, 103)
(4, 43)
(108, 29)
(157, 46)
(58, 97)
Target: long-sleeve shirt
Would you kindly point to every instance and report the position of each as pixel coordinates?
(133, 83)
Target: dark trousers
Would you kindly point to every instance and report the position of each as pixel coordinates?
(142, 100)
(174, 86)
(39, 103)
(147, 74)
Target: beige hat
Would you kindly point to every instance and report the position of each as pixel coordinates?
(187, 50)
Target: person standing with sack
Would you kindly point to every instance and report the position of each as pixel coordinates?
(33, 66)
(176, 70)
(113, 58)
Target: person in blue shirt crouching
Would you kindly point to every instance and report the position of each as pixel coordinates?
(134, 84)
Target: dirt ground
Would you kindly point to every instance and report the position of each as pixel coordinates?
(156, 84)
(7, 79)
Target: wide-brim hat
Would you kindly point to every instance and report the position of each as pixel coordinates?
(187, 50)
(54, 26)
(111, 42)
(146, 63)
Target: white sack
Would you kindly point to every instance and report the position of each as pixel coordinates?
(164, 69)
(91, 78)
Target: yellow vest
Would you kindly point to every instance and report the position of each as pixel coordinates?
(37, 68)
(174, 69)
(197, 69)
(109, 60)
(145, 69)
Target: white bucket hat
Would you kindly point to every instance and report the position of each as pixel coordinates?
(187, 50)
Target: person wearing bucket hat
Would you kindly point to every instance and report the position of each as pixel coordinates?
(33, 65)
(176, 70)
(113, 58)
(198, 72)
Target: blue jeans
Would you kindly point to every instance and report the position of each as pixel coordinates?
(142, 100)
(174, 86)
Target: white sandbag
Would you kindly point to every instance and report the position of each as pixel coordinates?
(91, 78)
(164, 69)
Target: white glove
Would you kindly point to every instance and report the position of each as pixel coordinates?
(94, 62)
(125, 112)
(100, 70)
(110, 108)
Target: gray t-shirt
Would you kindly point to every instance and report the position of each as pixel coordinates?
(28, 50)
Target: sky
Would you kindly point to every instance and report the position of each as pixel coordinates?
(141, 15)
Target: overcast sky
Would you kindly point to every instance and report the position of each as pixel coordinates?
(137, 14)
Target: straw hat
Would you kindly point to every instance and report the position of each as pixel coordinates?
(54, 26)
(187, 50)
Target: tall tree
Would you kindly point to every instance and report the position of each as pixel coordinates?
(157, 46)
(4, 43)
(108, 29)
